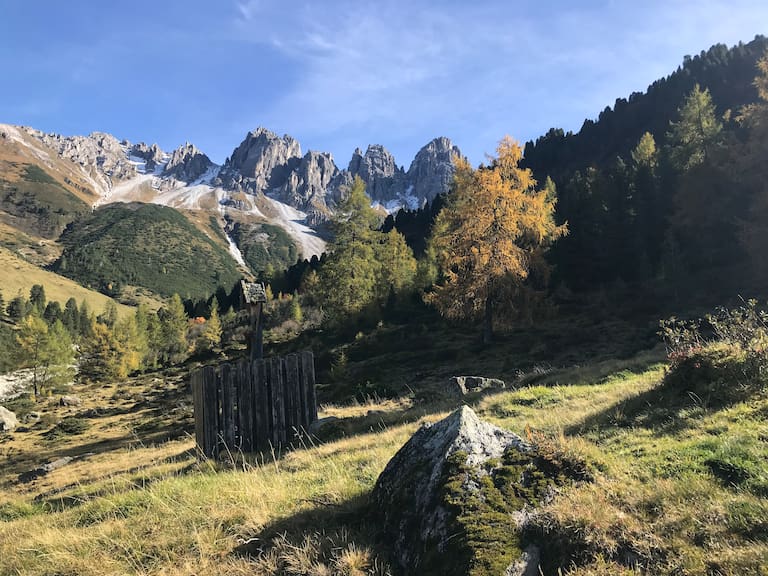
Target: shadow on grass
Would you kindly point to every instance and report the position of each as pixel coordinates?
(319, 533)
(56, 500)
(596, 373)
(699, 386)
(378, 420)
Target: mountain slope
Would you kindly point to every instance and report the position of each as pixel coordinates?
(49, 180)
(19, 276)
(145, 245)
(32, 201)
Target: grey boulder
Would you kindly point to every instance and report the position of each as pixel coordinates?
(462, 385)
(8, 420)
(408, 493)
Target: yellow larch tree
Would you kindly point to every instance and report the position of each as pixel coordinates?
(491, 237)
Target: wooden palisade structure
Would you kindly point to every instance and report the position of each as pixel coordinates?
(257, 405)
(254, 404)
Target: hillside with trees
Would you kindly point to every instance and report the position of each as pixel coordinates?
(727, 72)
(154, 247)
(34, 202)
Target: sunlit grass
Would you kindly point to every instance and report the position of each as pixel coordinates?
(689, 499)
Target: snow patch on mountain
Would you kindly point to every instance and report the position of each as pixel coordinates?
(407, 201)
(294, 222)
(207, 176)
(128, 191)
(200, 195)
(234, 250)
(139, 163)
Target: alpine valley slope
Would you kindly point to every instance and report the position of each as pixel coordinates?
(268, 199)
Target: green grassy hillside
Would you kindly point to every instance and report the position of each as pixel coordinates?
(144, 245)
(265, 246)
(33, 201)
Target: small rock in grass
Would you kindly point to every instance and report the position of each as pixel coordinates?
(8, 420)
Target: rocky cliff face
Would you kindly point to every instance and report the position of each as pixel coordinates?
(262, 162)
(187, 164)
(151, 155)
(100, 154)
(377, 168)
(432, 169)
(312, 184)
(267, 163)
(430, 174)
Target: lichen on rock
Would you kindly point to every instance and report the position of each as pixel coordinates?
(453, 499)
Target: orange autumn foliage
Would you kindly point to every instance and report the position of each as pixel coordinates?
(491, 236)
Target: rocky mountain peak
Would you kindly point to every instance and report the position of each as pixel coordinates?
(310, 183)
(377, 162)
(152, 155)
(187, 163)
(262, 161)
(101, 154)
(432, 169)
(377, 168)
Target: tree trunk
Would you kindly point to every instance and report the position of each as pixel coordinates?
(488, 321)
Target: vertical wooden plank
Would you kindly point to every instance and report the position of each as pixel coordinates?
(255, 403)
(245, 406)
(293, 401)
(196, 382)
(286, 397)
(227, 407)
(261, 405)
(259, 336)
(278, 401)
(268, 415)
(303, 396)
(236, 393)
(269, 404)
(210, 411)
(308, 378)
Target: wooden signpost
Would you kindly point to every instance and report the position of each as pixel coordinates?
(254, 297)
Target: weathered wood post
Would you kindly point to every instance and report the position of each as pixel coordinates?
(254, 297)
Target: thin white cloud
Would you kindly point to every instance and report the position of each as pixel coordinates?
(402, 72)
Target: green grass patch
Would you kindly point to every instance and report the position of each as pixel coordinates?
(16, 510)
(265, 247)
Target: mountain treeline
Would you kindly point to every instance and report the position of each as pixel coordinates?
(665, 193)
(147, 245)
(49, 339)
(728, 74)
(680, 208)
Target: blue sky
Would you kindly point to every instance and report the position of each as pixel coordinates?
(338, 74)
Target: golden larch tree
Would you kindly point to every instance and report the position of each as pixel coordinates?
(490, 238)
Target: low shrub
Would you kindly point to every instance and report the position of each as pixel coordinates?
(69, 426)
(729, 346)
